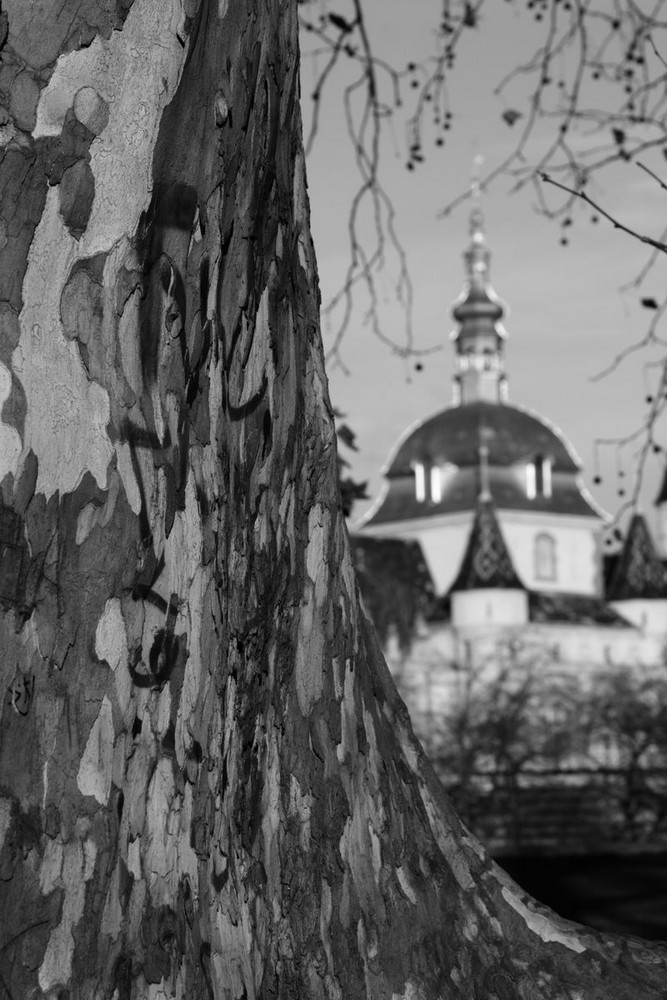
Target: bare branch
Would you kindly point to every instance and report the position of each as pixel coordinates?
(655, 177)
(657, 244)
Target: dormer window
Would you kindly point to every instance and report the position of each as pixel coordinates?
(436, 484)
(538, 477)
(420, 481)
(428, 482)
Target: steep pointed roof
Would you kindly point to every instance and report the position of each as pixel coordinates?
(639, 572)
(486, 561)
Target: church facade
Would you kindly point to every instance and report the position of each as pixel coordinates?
(491, 497)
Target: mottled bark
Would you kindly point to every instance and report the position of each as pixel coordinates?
(209, 787)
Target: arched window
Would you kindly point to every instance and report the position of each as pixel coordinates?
(545, 556)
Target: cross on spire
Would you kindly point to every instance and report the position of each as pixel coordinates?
(476, 179)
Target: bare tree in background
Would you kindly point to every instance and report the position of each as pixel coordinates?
(590, 99)
(209, 786)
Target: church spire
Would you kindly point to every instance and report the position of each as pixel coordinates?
(478, 311)
(486, 561)
(639, 572)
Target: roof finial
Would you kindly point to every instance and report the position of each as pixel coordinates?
(476, 178)
(476, 216)
(477, 256)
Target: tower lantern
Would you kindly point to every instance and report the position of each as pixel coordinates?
(479, 338)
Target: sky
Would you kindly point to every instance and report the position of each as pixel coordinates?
(567, 318)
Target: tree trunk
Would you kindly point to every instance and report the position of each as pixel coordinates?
(209, 787)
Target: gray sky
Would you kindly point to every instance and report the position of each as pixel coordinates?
(566, 319)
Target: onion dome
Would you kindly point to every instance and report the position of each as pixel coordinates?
(486, 561)
(478, 300)
(639, 572)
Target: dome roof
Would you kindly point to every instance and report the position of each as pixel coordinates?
(460, 493)
(477, 303)
(512, 434)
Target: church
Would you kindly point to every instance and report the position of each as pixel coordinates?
(487, 501)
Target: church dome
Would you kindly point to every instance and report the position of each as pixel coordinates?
(482, 447)
(452, 436)
(514, 441)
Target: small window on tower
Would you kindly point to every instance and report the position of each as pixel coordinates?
(545, 557)
(531, 479)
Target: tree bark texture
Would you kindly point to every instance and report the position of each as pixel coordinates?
(208, 785)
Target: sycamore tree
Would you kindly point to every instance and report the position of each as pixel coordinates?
(209, 787)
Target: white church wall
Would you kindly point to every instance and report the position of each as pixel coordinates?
(586, 647)
(648, 615)
(443, 544)
(443, 540)
(443, 547)
(576, 563)
(487, 606)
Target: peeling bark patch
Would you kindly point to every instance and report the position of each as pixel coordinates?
(412, 992)
(23, 100)
(5, 819)
(542, 925)
(126, 472)
(405, 885)
(37, 31)
(311, 638)
(69, 867)
(58, 392)
(14, 559)
(94, 777)
(448, 842)
(91, 110)
(111, 646)
(10, 441)
(77, 191)
(135, 72)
